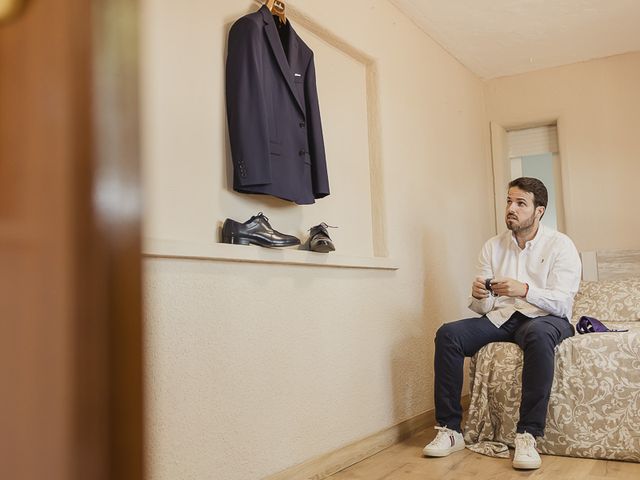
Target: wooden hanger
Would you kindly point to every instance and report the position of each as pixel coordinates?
(277, 7)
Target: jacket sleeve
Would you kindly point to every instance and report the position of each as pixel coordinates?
(319, 174)
(246, 105)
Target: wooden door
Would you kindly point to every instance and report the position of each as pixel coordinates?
(70, 309)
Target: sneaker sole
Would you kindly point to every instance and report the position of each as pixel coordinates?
(527, 465)
(442, 453)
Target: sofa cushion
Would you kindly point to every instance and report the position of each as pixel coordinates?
(609, 300)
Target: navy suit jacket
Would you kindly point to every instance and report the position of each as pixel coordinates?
(272, 111)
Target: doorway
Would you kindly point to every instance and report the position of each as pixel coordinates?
(528, 152)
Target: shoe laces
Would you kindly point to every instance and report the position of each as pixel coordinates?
(260, 214)
(525, 442)
(322, 226)
(443, 436)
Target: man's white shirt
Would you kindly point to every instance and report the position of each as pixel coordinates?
(549, 263)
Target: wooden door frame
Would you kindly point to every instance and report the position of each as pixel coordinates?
(118, 211)
(72, 404)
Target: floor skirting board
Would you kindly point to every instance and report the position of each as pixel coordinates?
(326, 465)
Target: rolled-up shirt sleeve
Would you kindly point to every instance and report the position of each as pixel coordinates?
(562, 283)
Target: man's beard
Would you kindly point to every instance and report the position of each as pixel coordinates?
(523, 225)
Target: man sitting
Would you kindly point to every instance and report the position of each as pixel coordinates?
(527, 278)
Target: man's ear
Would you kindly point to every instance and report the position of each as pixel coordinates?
(540, 211)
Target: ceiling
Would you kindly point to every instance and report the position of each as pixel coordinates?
(495, 38)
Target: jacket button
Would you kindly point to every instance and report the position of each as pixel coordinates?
(302, 152)
(302, 124)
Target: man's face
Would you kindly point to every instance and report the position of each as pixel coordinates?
(521, 212)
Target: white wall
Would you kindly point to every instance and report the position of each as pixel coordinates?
(253, 368)
(597, 105)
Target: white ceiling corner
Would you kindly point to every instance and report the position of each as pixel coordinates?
(495, 38)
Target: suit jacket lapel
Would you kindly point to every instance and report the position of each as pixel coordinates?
(298, 65)
(278, 51)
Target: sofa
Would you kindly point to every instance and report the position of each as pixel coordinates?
(594, 409)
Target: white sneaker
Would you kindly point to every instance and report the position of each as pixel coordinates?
(526, 456)
(447, 441)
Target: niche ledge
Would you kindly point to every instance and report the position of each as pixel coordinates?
(161, 248)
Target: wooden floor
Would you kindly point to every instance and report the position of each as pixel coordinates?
(404, 461)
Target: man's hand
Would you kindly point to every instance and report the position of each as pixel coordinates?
(508, 287)
(478, 291)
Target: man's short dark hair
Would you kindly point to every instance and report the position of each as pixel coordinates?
(534, 186)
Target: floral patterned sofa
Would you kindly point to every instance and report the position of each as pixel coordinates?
(594, 409)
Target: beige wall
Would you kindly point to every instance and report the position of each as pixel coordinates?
(253, 368)
(597, 104)
(185, 130)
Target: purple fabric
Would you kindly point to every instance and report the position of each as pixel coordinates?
(593, 325)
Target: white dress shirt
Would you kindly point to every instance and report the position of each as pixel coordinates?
(549, 263)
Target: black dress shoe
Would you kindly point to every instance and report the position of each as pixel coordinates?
(256, 231)
(319, 240)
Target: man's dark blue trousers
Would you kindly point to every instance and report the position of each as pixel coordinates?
(537, 337)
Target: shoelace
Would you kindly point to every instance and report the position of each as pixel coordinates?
(443, 434)
(525, 442)
(322, 226)
(260, 214)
